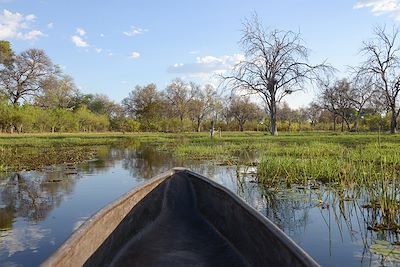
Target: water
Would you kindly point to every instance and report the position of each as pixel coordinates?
(40, 210)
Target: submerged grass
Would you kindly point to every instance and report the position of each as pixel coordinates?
(36, 151)
(353, 163)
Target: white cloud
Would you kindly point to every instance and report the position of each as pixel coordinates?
(134, 55)
(204, 68)
(77, 40)
(101, 35)
(30, 17)
(98, 50)
(50, 25)
(379, 7)
(194, 52)
(134, 31)
(110, 54)
(80, 31)
(17, 26)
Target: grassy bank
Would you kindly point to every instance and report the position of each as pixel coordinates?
(360, 166)
(36, 151)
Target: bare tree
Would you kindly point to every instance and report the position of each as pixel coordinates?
(24, 77)
(243, 110)
(383, 64)
(57, 92)
(200, 105)
(335, 99)
(362, 92)
(313, 112)
(276, 65)
(179, 94)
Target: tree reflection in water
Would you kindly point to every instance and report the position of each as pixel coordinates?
(33, 195)
(324, 219)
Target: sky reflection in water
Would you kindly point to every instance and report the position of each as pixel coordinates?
(39, 210)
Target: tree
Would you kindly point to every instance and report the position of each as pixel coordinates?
(335, 99)
(179, 94)
(275, 65)
(145, 104)
(362, 92)
(200, 105)
(285, 113)
(6, 54)
(382, 63)
(25, 77)
(57, 92)
(313, 112)
(243, 110)
(102, 105)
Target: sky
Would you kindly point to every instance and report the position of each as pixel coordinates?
(109, 47)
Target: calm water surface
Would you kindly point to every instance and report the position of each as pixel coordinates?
(40, 210)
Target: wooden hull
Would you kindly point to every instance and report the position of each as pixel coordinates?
(179, 219)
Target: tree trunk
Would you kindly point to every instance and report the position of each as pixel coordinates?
(181, 118)
(342, 122)
(355, 126)
(198, 125)
(393, 123)
(212, 129)
(334, 122)
(241, 126)
(274, 129)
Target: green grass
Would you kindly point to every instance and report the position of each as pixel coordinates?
(36, 151)
(368, 165)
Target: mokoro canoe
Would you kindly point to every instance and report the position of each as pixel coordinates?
(179, 218)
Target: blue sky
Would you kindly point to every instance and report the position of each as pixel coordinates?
(108, 47)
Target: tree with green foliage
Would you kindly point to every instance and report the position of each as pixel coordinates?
(6, 54)
(179, 95)
(145, 104)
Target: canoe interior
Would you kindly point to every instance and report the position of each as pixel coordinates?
(188, 220)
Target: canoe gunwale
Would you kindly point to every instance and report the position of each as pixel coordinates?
(287, 241)
(69, 255)
(79, 234)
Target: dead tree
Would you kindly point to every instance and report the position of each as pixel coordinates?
(382, 62)
(275, 65)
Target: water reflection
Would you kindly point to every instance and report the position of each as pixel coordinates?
(39, 210)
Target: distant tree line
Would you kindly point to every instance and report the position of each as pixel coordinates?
(36, 96)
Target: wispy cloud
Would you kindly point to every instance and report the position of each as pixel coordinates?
(80, 31)
(379, 7)
(50, 25)
(98, 50)
(78, 41)
(134, 55)
(206, 67)
(133, 31)
(17, 26)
